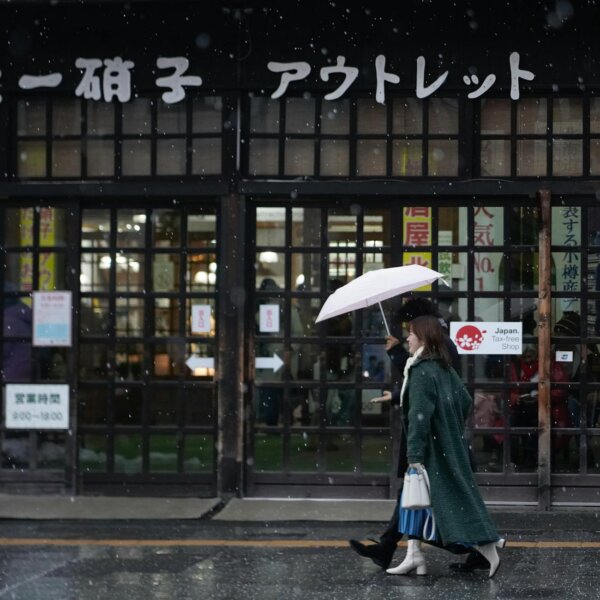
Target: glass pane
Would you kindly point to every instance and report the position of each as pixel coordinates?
(206, 156)
(199, 405)
(452, 225)
(341, 228)
(100, 118)
(201, 325)
(100, 156)
(166, 228)
(268, 452)
(335, 117)
(264, 115)
(407, 156)
(299, 157)
(488, 226)
(128, 453)
(95, 228)
(376, 229)
(170, 157)
(595, 157)
(31, 117)
(94, 316)
(567, 116)
(32, 159)
(490, 309)
(166, 317)
(523, 225)
(371, 117)
(163, 453)
(300, 115)
(206, 114)
(17, 362)
(454, 267)
(305, 362)
(335, 158)
(304, 455)
(202, 272)
(567, 272)
(371, 158)
(532, 116)
(171, 118)
(376, 454)
(270, 226)
(168, 360)
(131, 229)
(92, 453)
(202, 230)
(269, 404)
(495, 158)
(339, 455)
(341, 268)
(443, 158)
(198, 453)
(95, 272)
(407, 116)
(525, 310)
(66, 117)
(52, 226)
(66, 159)
(93, 362)
(306, 227)
(19, 271)
(128, 358)
(52, 271)
(489, 271)
(495, 116)
(135, 157)
(564, 453)
(567, 157)
(593, 455)
(137, 116)
(531, 158)
(264, 157)
(15, 450)
(595, 115)
(523, 451)
(443, 116)
(306, 272)
(524, 271)
(129, 317)
(51, 450)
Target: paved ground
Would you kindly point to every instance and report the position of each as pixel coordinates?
(552, 556)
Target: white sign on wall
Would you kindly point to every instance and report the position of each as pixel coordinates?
(491, 337)
(52, 318)
(201, 318)
(269, 318)
(36, 406)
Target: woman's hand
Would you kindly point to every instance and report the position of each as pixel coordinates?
(390, 342)
(387, 396)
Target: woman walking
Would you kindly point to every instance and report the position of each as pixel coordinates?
(435, 407)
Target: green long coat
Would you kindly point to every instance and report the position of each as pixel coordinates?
(436, 406)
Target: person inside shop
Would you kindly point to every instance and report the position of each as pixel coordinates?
(435, 405)
(381, 552)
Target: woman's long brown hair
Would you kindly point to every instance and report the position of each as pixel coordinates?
(428, 329)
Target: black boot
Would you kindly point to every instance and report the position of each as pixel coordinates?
(380, 554)
(473, 561)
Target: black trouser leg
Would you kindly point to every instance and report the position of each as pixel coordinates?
(391, 536)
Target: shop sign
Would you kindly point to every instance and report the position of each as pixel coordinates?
(110, 78)
(416, 231)
(52, 318)
(36, 406)
(201, 321)
(491, 337)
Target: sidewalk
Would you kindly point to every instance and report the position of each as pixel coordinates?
(260, 510)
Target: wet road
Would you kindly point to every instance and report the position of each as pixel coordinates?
(203, 559)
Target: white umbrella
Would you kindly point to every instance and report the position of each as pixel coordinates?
(375, 286)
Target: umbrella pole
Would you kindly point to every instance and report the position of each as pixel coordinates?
(384, 319)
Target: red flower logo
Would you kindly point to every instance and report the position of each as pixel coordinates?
(469, 337)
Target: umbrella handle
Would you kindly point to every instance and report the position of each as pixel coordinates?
(384, 319)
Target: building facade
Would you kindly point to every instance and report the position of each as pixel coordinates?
(200, 176)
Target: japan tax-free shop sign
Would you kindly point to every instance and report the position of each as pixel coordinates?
(489, 337)
(52, 318)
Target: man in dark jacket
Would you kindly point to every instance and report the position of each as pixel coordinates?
(381, 553)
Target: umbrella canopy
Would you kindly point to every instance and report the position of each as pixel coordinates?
(374, 287)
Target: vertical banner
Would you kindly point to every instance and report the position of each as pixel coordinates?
(269, 318)
(47, 266)
(416, 231)
(566, 231)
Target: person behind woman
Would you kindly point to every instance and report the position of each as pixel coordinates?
(435, 405)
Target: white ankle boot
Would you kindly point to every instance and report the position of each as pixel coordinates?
(490, 552)
(415, 559)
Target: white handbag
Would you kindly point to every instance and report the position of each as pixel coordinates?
(415, 493)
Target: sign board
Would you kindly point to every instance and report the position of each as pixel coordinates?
(52, 318)
(36, 406)
(491, 337)
(269, 318)
(564, 356)
(200, 318)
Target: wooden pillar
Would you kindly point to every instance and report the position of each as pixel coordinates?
(544, 349)
(230, 442)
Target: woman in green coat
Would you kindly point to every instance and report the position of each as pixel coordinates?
(435, 406)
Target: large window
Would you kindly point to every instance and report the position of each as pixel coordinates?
(66, 138)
